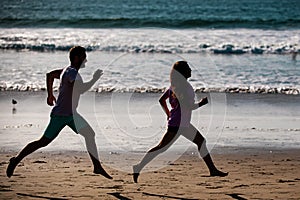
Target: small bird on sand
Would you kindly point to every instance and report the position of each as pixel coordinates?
(13, 101)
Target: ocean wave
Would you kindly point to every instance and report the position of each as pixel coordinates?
(152, 40)
(108, 89)
(271, 14)
(138, 22)
(228, 49)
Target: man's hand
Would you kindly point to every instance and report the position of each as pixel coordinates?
(98, 73)
(51, 100)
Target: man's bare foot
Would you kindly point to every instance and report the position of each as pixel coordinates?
(11, 167)
(219, 173)
(102, 172)
(135, 173)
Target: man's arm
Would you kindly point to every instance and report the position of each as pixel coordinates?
(49, 80)
(87, 85)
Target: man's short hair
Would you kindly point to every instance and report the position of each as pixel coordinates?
(76, 51)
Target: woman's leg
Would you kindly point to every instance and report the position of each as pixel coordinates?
(168, 139)
(28, 149)
(195, 136)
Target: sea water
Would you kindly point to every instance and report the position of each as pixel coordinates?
(234, 46)
(237, 45)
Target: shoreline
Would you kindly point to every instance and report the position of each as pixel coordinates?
(244, 90)
(231, 120)
(190, 151)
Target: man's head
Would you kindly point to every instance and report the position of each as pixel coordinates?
(77, 56)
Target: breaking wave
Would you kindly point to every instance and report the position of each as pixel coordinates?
(107, 89)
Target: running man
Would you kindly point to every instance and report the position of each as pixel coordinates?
(64, 112)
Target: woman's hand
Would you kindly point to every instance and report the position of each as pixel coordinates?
(203, 101)
(168, 115)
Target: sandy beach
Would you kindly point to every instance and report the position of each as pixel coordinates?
(260, 153)
(253, 174)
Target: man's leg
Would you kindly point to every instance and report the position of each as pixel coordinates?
(89, 136)
(82, 127)
(55, 125)
(28, 149)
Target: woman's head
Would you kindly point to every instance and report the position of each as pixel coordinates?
(180, 72)
(182, 68)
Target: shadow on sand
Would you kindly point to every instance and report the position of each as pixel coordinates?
(118, 196)
(41, 197)
(236, 196)
(166, 196)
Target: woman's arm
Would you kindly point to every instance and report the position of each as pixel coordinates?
(189, 102)
(202, 102)
(195, 105)
(163, 103)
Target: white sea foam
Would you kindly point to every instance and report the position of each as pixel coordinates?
(154, 40)
(127, 72)
(124, 55)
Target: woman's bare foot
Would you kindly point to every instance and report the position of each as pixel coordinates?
(218, 173)
(11, 167)
(135, 173)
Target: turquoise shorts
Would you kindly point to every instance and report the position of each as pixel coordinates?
(57, 123)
